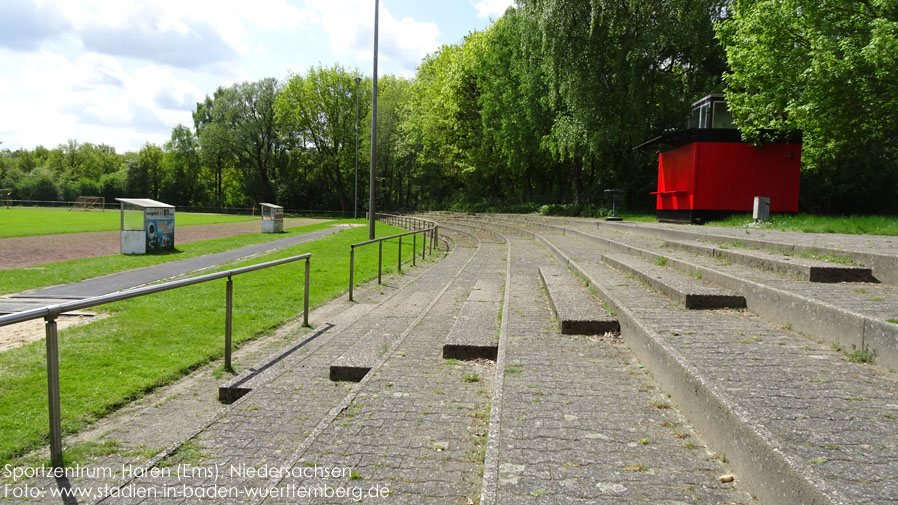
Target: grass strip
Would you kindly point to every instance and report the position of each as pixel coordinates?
(65, 272)
(26, 222)
(807, 223)
(154, 340)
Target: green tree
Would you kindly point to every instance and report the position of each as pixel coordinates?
(182, 185)
(620, 72)
(146, 172)
(829, 70)
(316, 112)
(245, 132)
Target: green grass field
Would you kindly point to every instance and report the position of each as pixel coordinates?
(150, 341)
(65, 272)
(24, 222)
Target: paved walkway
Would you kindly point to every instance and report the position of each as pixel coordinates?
(137, 277)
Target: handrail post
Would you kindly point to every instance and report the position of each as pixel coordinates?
(351, 269)
(53, 391)
(414, 247)
(229, 313)
(305, 302)
(400, 254)
(423, 244)
(380, 259)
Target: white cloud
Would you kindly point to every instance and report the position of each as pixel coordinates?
(351, 31)
(490, 8)
(186, 34)
(94, 99)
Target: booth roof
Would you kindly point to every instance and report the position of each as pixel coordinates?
(271, 205)
(145, 203)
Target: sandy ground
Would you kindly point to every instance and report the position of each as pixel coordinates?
(20, 252)
(20, 334)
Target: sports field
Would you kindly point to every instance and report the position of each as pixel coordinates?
(25, 222)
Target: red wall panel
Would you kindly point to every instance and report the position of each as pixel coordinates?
(728, 175)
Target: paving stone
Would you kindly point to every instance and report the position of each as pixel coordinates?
(690, 292)
(808, 398)
(563, 394)
(806, 268)
(575, 309)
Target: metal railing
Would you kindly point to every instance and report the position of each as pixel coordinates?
(51, 312)
(423, 226)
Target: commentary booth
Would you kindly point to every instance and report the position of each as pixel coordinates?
(708, 172)
(147, 225)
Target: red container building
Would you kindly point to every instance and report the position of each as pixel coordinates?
(709, 172)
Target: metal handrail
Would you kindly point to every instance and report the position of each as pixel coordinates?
(432, 231)
(51, 312)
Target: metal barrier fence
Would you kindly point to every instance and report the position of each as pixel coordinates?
(423, 226)
(51, 312)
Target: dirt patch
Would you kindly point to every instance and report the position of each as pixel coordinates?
(19, 252)
(14, 335)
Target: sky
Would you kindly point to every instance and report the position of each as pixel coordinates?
(125, 72)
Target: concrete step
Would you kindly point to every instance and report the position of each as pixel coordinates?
(853, 316)
(809, 269)
(475, 333)
(356, 362)
(688, 291)
(881, 259)
(575, 309)
(798, 421)
(577, 420)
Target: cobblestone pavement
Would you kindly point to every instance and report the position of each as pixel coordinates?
(582, 422)
(418, 427)
(878, 301)
(835, 418)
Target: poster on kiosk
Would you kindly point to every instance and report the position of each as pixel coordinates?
(160, 228)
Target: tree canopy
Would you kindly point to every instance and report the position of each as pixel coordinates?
(543, 107)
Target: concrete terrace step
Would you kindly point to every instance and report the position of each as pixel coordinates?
(573, 306)
(688, 291)
(356, 362)
(474, 334)
(799, 423)
(579, 421)
(806, 268)
(878, 253)
(853, 316)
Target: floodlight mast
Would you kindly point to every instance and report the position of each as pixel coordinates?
(355, 202)
(371, 179)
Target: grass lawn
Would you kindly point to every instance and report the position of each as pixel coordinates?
(64, 272)
(150, 341)
(27, 221)
(854, 225)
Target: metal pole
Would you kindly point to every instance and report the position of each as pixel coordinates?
(355, 206)
(53, 392)
(351, 268)
(414, 247)
(373, 130)
(380, 258)
(229, 312)
(305, 303)
(400, 254)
